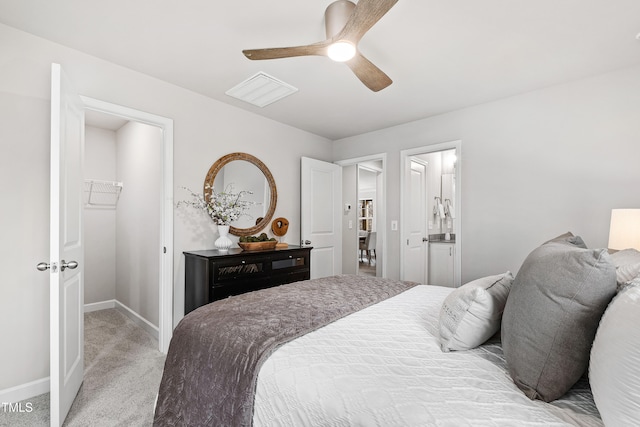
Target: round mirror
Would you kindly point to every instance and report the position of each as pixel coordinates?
(237, 172)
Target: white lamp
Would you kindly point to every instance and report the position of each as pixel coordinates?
(625, 229)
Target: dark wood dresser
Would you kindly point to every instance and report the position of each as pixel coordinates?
(211, 275)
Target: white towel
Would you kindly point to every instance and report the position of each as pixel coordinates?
(450, 210)
(440, 210)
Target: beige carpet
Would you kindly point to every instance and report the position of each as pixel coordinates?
(123, 368)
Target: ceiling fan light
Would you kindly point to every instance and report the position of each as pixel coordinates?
(341, 51)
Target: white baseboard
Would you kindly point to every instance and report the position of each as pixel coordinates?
(25, 391)
(153, 330)
(139, 320)
(102, 305)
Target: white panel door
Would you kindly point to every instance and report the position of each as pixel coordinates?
(415, 200)
(66, 246)
(320, 215)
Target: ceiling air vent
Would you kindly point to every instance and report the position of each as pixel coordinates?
(261, 90)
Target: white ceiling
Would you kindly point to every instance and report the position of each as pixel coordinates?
(442, 55)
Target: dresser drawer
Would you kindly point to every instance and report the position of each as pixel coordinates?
(224, 290)
(211, 275)
(239, 269)
(291, 262)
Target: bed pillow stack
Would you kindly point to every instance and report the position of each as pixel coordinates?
(552, 314)
(471, 314)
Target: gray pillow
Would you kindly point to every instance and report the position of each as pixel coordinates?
(551, 316)
(570, 239)
(471, 314)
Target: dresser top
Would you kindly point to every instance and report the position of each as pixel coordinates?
(209, 253)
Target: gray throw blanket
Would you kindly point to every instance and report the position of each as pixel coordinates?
(216, 352)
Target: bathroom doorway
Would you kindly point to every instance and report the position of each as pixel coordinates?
(430, 211)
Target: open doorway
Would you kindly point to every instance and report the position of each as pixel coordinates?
(122, 189)
(430, 212)
(140, 146)
(123, 263)
(369, 189)
(364, 216)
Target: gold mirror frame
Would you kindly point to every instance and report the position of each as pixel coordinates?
(220, 163)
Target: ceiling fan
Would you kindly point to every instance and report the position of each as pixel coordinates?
(345, 23)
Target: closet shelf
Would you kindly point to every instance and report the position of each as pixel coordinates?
(104, 194)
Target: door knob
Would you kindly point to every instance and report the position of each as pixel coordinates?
(305, 242)
(425, 239)
(71, 264)
(43, 266)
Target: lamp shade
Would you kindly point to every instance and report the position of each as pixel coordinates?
(625, 229)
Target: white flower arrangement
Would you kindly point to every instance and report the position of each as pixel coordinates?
(223, 208)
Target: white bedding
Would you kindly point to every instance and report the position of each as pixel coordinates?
(383, 366)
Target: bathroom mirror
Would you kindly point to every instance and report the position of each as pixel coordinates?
(448, 192)
(243, 172)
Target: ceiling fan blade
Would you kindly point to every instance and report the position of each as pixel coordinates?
(364, 16)
(319, 48)
(372, 77)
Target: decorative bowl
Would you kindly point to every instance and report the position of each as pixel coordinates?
(257, 246)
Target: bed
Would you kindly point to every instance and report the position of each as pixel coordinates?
(383, 366)
(378, 363)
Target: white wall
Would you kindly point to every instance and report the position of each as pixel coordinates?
(533, 166)
(138, 245)
(205, 130)
(24, 227)
(100, 223)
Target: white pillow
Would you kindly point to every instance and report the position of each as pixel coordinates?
(471, 314)
(614, 370)
(627, 262)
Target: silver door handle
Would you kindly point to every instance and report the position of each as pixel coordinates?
(425, 239)
(71, 264)
(43, 266)
(305, 242)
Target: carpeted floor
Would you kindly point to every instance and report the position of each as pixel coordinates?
(123, 368)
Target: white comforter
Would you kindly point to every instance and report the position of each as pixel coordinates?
(382, 366)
